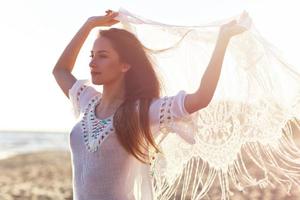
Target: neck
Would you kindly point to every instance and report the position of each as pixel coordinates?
(113, 95)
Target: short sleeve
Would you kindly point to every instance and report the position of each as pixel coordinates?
(166, 110)
(80, 94)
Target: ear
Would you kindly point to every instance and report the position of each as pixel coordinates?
(125, 67)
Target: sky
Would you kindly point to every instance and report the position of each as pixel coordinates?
(34, 34)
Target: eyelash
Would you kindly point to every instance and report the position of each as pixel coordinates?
(102, 56)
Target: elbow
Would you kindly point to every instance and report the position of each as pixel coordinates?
(206, 102)
(203, 105)
(56, 70)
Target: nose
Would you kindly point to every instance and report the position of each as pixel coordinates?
(92, 64)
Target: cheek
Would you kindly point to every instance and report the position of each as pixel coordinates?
(103, 63)
(109, 69)
(110, 65)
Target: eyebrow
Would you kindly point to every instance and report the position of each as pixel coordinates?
(99, 51)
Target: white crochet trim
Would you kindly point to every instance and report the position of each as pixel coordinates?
(75, 93)
(93, 133)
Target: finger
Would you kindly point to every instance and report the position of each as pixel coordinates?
(242, 28)
(245, 14)
(239, 30)
(230, 23)
(113, 21)
(112, 12)
(233, 22)
(112, 15)
(115, 14)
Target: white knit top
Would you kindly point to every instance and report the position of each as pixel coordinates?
(101, 167)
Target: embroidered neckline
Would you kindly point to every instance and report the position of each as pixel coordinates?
(95, 130)
(94, 112)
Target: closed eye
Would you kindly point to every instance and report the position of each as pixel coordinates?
(101, 56)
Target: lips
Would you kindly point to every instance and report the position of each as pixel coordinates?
(95, 73)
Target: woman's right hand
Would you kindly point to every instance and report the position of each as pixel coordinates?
(106, 20)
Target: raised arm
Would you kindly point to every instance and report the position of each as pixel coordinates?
(64, 66)
(202, 97)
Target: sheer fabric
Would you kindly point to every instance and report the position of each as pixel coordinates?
(251, 119)
(101, 168)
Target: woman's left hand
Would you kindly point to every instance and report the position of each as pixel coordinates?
(231, 29)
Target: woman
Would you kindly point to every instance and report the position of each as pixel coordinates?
(110, 144)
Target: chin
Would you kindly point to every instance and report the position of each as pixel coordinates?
(96, 82)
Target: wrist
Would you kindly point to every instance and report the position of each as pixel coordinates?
(223, 37)
(89, 24)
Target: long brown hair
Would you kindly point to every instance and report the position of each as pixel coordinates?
(141, 84)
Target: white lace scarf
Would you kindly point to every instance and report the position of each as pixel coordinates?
(250, 121)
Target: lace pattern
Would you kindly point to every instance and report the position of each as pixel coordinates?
(79, 94)
(95, 131)
(249, 124)
(165, 116)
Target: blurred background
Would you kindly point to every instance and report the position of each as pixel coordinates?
(36, 117)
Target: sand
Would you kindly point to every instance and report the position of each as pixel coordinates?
(37, 176)
(48, 175)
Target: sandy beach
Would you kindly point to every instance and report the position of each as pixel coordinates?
(38, 176)
(47, 175)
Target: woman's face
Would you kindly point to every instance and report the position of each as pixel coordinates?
(105, 66)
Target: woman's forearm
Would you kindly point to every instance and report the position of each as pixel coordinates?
(212, 73)
(67, 59)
